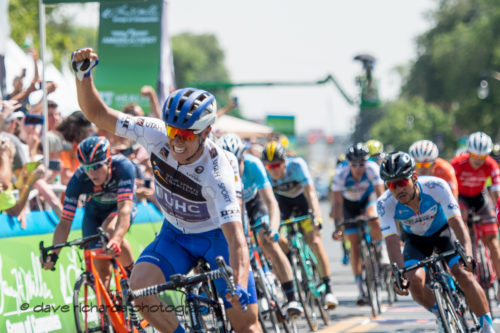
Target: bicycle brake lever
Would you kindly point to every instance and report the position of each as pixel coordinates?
(227, 275)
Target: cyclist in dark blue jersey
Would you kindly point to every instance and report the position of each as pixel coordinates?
(108, 182)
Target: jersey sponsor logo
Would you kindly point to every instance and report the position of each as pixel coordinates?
(188, 211)
(229, 212)
(125, 182)
(421, 222)
(433, 184)
(224, 192)
(288, 186)
(150, 124)
(164, 152)
(126, 122)
(380, 208)
(452, 206)
(199, 169)
(213, 152)
(140, 121)
(176, 181)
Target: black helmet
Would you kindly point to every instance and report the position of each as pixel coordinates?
(357, 152)
(396, 166)
(273, 152)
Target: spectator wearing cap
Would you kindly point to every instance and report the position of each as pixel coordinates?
(7, 108)
(74, 129)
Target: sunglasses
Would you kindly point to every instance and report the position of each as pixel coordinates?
(479, 157)
(95, 166)
(423, 164)
(398, 183)
(183, 134)
(274, 166)
(358, 165)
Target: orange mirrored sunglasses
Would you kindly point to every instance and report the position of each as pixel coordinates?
(423, 164)
(273, 166)
(479, 157)
(183, 134)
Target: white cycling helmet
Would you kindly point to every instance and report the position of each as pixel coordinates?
(424, 151)
(479, 143)
(232, 143)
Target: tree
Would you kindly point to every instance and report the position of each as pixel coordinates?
(199, 58)
(406, 121)
(464, 40)
(63, 36)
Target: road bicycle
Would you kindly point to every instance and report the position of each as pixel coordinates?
(309, 286)
(484, 272)
(375, 277)
(95, 307)
(269, 292)
(204, 308)
(454, 311)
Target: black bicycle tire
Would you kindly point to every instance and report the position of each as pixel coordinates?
(466, 311)
(83, 280)
(370, 280)
(388, 285)
(217, 312)
(319, 303)
(313, 325)
(443, 305)
(265, 293)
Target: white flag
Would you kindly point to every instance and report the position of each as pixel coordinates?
(166, 76)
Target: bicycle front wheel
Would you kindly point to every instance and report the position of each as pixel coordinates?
(89, 316)
(304, 296)
(370, 277)
(449, 317)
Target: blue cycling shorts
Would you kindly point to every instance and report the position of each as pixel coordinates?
(177, 253)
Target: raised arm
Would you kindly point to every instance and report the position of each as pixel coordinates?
(88, 98)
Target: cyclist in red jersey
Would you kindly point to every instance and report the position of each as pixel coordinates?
(425, 153)
(472, 169)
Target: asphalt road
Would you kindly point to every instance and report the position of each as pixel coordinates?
(404, 316)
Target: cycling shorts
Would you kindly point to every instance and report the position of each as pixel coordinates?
(297, 206)
(354, 209)
(257, 211)
(175, 252)
(483, 207)
(95, 214)
(417, 248)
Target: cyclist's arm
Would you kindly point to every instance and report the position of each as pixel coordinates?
(267, 195)
(337, 207)
(61, 233)
(312, 200)
(89, 100)
(238, 252)
(461, 232)
(123, 223)
(393, 243)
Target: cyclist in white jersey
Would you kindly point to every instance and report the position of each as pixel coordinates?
(355, 188)
(195, 187)
(425, 210)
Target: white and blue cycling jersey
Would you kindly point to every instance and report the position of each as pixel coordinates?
(296, 177)
(254, 177)
(356, 190)
(437, 206)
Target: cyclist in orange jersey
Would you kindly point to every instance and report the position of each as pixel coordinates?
(425, 153)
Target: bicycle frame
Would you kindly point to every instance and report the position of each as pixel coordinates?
(116, 315)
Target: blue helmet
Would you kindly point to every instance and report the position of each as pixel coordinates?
(190, 108)
(93, 149)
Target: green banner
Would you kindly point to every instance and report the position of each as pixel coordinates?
(34, 300)
(129, 51)
(282, 124)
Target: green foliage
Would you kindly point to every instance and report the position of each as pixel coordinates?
(464, 40)
(406, 121)
(63, 36)
(199, 58)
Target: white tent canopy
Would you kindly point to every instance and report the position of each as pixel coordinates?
(244, 128)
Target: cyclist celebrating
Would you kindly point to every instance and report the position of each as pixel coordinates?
(472, 169)
(108, 181)
(376, 150)
(356, 187)
(295, 192)
(261, 207)
(425, 209)
(195, 188)
(425, 153)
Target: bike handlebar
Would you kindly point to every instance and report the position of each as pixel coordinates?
(82, 242)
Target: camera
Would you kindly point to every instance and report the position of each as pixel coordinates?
(33, 119)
